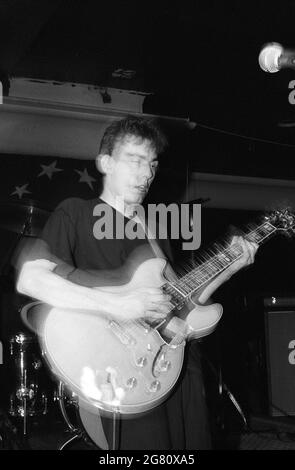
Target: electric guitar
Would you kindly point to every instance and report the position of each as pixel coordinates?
(130, 367)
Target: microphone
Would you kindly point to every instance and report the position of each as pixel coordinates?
(273, 57)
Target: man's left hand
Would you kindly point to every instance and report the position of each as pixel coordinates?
(249, 252)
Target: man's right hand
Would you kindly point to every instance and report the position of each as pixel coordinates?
(145, 302)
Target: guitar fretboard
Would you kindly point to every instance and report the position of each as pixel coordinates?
(217, 261)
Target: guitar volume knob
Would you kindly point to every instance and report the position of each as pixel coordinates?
(164, 366)
(141, 361)
(155, 386)
(132, 382)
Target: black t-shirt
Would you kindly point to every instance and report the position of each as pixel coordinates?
(181, 421)
(71, 237)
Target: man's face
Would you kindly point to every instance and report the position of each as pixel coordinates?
(133, 168)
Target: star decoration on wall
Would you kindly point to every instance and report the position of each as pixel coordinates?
(49, 170)
(85, 177)
(21, 190)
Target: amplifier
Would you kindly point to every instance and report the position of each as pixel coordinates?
(275, 301)
(280, 360)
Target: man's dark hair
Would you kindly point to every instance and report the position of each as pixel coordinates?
(133, 126)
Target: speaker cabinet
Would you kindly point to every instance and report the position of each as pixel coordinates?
(280, 359)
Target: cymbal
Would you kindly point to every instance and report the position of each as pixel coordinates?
(24, 216)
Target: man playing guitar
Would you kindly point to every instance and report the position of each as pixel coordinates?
(70, 268)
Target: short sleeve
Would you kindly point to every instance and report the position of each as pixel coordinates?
(59, 234)
(55, 243)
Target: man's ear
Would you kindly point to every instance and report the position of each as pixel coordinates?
(104, 163)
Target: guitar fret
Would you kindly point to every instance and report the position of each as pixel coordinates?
(261, 232)
(176, 295)
(190, 282)
(218, 264)
(221, 260)
(254, 237)
(214, 266)
(204, 271)
(268, 227)
(181, 287)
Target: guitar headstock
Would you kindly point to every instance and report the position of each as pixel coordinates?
(283, 220)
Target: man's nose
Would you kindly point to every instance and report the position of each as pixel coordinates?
(147, 174)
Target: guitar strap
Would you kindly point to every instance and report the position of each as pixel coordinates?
(157, 250)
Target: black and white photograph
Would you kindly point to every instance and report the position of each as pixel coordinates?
(147, 227)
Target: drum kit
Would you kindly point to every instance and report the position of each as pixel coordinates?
(32, 389)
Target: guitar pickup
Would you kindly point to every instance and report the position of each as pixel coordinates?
(122, 334)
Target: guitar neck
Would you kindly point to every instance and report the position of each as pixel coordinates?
(216, 262)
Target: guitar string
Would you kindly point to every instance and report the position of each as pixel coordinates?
(219, 262)
(202, 277)
(219, 259)
(204, 272)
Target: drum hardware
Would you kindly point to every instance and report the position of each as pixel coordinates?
(28, 397)
(63, 399)
(66, 398)
(9, 439)
(32, 315)
(26, 218)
